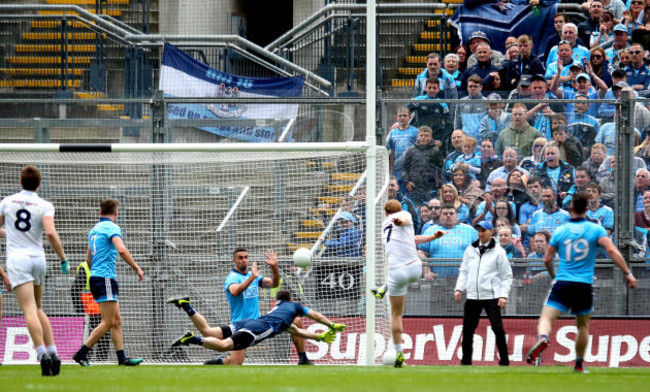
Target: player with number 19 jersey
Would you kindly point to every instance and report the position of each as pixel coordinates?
(24, 213)
(399, 240)
(577, 244)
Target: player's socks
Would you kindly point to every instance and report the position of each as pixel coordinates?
(183, 303)
(121, 356)
(40, 351)
(398, 348)
(303, 360)
(52, 350)
(580, 368)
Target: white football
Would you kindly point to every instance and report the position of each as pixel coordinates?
(389, 358)
(302, 258)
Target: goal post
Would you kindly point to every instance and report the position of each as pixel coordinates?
(183, 210)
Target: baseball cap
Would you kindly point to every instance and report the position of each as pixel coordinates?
(493, 97)
(479, 34)
(525, 80)
(486, 225)
(621, 28)
(576, 64)
(621, 84)
(618, 73)
(347, 216)
(537, 77)
(583, 75)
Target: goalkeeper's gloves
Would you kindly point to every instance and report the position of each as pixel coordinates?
(65, 266)
(327, 337)
(337, 327)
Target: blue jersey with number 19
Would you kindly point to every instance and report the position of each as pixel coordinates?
(577, 243)
(102, 249)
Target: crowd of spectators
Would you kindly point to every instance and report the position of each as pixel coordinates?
(517, 166)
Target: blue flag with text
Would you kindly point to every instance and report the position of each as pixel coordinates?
(183, 76)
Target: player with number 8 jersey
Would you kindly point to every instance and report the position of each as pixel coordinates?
(25, 216)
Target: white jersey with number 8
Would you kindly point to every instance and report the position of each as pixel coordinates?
(399, 240)
(24, 213)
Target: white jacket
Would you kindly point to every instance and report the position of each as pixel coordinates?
(485, 277)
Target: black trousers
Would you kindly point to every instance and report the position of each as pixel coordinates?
(473, 309)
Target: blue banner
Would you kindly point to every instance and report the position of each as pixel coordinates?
(183, 76)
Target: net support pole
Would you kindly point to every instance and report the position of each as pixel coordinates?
(371, 155)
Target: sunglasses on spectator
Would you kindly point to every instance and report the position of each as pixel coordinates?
(635, 51)
(597, 56)
(434, 208)
(637, 2)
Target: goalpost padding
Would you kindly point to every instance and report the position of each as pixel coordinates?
(174, 203)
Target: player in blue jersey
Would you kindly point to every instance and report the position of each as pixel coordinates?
(576, 242)
(242, 290)
(104, 244)
(248, 332)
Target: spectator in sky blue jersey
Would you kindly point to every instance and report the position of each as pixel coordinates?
(470, 160)
(458, 236)
(242, 291)
(582, 125)
(242, 334)
(448, 86)
(468, 114)
(495, 121)
(486, 209)
(457, 139)
(449, 195)
(550, 217)
(569, 34)
(576, 243)
(582, 179)
(399, 140)
(554, 172)
(638, 74)
(600, 212)
(104, 244)
(539, 114)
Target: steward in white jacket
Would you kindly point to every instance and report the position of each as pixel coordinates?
(487, 275)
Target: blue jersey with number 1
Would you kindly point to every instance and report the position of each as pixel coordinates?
(577, 243)
(102, 249)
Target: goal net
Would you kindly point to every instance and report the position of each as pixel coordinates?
(182, 214)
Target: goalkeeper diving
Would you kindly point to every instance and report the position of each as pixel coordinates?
(249, 332)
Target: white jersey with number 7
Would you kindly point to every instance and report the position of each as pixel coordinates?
(399, 240)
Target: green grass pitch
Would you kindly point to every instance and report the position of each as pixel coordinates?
(162, 378)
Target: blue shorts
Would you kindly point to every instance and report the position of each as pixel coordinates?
(578, 298)
(258, 329)
(103, 289)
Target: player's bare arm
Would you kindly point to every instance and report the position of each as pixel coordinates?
(271, 261)
(618, 259)
(421, 239)
(126, 256)
(548, 261)
(53, 236)
(89, 258)
(5, 279)
(238, 288)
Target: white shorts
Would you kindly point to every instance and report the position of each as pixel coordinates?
(399, 278)
(24, 268)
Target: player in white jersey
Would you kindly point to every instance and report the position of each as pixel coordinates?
(25, 216)
(404, 265)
